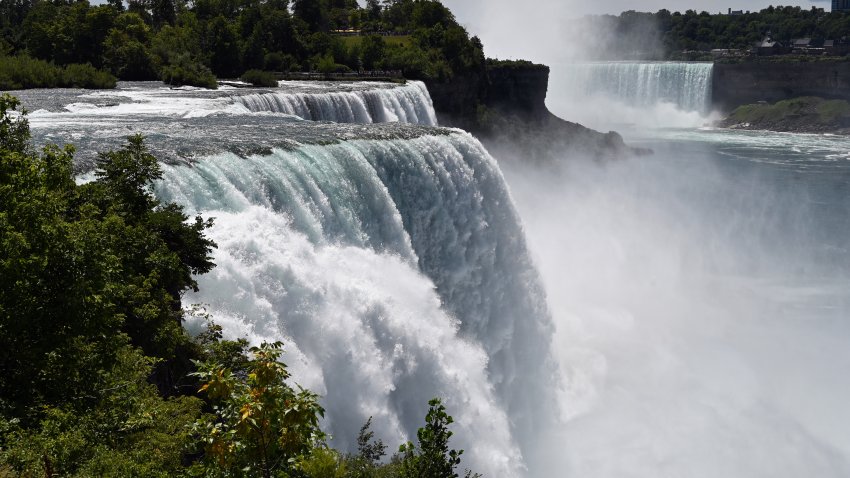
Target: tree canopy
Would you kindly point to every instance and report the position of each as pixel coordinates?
(192, 42)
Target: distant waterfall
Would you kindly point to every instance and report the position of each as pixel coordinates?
(410, 103)
(395, 271)
(687, 85)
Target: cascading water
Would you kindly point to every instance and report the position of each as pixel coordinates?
(387, 257)
(325, 247)
(687, 85)
(406, 104)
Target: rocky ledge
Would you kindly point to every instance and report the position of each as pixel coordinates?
(506, 110)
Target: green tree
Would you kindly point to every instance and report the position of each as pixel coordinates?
(260, 424)
(432, 458)
(223, 47)
(126, 51)
(86, 269)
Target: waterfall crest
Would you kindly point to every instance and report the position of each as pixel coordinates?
(396, 270)
(410, 103)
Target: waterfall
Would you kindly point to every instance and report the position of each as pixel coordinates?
(686, 85)
(395, 270)
(410, 103)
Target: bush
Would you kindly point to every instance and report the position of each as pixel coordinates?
(87, 76)
(23, 72)
(260, 78)
(278, 61)
(186, 71)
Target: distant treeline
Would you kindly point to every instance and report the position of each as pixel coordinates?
(663, 34)
(184, 42)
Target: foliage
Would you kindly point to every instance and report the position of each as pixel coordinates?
(324, 463)
(432, 458)
(185, 71)
(260, 78)
(260, 425)
(126, 51)
(186, 43)
(22, 72)
(370, 451)
(131, 431)
(86, 76)
(87, 270)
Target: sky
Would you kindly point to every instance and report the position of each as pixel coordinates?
(532, 29)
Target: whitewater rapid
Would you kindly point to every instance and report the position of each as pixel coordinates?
(356, 102)
(410, 103)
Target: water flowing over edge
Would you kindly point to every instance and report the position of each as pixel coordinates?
(686, 85)
(406, 104)
(397, 270)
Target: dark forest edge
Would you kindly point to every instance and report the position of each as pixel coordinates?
(192, 43)
(98, 376)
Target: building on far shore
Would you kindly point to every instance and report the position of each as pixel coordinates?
(769, 47)
(840, 5)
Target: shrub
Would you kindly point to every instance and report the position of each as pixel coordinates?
(23, 72)
(260, 78)
(87, 76)
(186, 71)
(277, 61)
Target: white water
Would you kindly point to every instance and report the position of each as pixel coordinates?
(395, 271)
(697, 334)
(358, 102)
(700, 297)
(614, 94)
(406, 104)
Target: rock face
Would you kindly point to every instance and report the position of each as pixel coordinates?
(507, 111)
(747, 83)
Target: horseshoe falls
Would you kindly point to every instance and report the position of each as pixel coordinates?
(622, 94)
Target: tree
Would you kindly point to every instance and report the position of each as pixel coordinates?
(260, 424)
(87, 270)
(314, 13)
(223, 46)
(432, 458)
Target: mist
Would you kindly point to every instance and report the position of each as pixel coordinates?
(698, 332)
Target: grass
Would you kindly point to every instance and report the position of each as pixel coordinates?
(809, 109)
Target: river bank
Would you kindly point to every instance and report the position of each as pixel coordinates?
(798, 115)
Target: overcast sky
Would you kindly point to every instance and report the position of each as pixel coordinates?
(532, 29)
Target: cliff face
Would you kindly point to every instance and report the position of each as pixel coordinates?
(746, 83)
(507, 111)
(518, 89)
